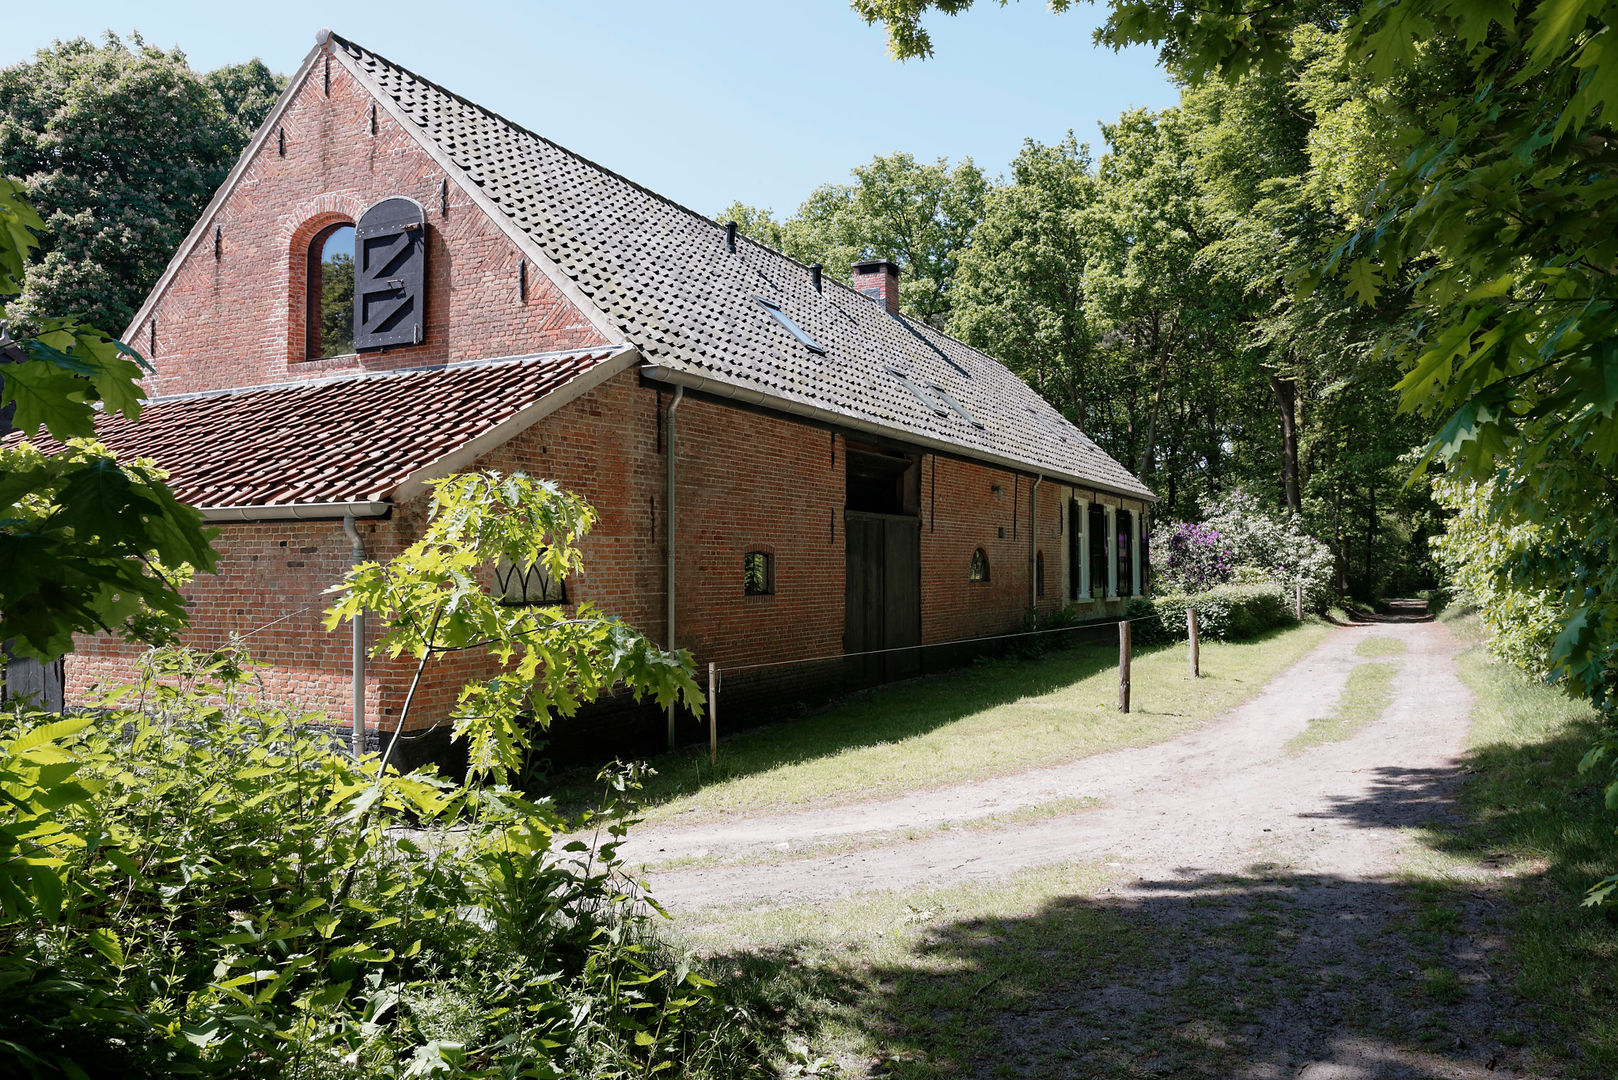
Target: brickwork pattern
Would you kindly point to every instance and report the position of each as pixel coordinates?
(237, 319)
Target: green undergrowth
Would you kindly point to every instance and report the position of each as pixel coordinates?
(1532, 814)
(996, 717)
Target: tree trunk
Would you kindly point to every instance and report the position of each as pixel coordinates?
(1143, 468)
(1370, 542)
(1286, 396)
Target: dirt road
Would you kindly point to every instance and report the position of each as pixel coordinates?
(1214, 801)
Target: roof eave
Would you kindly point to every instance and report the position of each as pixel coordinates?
(319, 511)
(838, 418)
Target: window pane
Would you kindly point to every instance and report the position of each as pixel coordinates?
(337, 293)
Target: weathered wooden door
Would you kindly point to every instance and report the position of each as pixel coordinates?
(882, 596)
(32, 684)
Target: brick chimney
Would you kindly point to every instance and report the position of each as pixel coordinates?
(879, 279)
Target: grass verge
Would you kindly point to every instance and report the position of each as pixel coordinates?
(1533, 817)
(1368, 692)
(996, 717)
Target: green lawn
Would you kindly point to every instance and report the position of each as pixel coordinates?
(996, 717)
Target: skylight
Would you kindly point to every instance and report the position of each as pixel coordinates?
(792, 328)
(1046, 423)
(960, 410)
(932, 404)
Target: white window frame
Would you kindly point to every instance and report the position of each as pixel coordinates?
(1112, 552)
(1084, 549)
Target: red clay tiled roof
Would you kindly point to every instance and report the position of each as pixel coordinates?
(345, 439)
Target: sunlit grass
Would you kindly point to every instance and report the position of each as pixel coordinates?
(996, 717)
(1378, 645)
(1367, 694)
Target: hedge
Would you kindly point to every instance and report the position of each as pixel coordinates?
(1224, 613)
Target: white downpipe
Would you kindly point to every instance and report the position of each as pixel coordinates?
(668, 537)
(357, 735)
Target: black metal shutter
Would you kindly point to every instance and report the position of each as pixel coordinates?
(1098, 548)
(1125, 522)
(390, 273)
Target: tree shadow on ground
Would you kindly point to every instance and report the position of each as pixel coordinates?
(1269, 973)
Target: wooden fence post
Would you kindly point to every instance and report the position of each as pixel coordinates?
(1300, 601)
(713, 713)
(1123, 665)
(1191, 628)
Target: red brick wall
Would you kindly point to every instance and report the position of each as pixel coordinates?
(238, 319)
(747, 482)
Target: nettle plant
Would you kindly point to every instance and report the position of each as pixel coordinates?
(434, 600)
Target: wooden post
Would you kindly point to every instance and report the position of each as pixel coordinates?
(1191, 628)
(713, 713)
(1123, 665)
(1300, 601)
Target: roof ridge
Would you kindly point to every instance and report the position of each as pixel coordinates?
(356, 47)
(362, 376)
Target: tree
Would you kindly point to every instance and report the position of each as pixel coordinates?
(921, 216)
(1491, 234)
(119, 146)
(1019, 289)
(86, 543)
(433, 600)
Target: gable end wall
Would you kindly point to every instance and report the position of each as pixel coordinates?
(238, 319)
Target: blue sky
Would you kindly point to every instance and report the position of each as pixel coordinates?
(705, 102)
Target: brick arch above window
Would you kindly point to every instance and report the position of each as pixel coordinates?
(301, 223)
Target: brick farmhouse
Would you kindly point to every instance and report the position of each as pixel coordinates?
(783, 466)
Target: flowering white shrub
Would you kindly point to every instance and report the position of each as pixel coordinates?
(1242, 542)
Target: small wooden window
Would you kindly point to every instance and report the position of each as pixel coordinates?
(329, 292)
(979, 570)
(1039, 573)
(530, 586)
(758, 573)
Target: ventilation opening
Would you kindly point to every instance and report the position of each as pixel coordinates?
(881, 482)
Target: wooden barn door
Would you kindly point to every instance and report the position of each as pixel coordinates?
(882, 596)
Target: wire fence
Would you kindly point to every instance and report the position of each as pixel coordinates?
(759, 692)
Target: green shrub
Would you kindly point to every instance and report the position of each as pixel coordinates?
(1224, 613)
(195, 883)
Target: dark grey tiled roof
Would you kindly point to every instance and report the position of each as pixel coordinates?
(663, 275)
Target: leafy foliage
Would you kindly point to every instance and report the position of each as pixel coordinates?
(85, 543)
(434, 599)
(1270, 546)
(1224, 613)
(196, 883)
(120, 145)
(1189, 557)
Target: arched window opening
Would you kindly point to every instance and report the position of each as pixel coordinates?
(1039, 573)
(530, 586)
(329, 289)
(979, 570)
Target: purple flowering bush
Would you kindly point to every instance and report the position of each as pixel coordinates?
(1191, 557)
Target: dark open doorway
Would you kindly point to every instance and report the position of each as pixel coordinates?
(882, 597)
